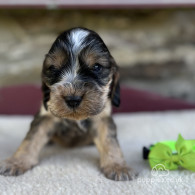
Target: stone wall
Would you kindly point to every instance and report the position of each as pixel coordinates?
(154, 48)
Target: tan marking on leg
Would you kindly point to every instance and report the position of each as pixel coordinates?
(28, 152)
(112, 161)
(107, 144)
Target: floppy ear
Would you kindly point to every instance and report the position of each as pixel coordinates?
(115, 87)
(46, 94)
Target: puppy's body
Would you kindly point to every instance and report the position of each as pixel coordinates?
(79, 84)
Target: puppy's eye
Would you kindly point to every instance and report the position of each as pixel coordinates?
(97, 68)
(51, 68)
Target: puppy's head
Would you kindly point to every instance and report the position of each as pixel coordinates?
(79, 75)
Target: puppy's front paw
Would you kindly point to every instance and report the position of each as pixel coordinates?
(14, 167)
(119, 172)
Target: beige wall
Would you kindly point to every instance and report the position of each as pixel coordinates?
(155, 48)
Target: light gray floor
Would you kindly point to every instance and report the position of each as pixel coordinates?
(75, 171)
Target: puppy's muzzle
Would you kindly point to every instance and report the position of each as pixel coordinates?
(73, 101)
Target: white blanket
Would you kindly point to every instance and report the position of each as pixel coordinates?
(76, 171)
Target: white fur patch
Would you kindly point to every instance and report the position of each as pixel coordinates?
(77, 37)
(70, 75)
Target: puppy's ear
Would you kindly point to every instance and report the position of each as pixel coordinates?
(46, 94)
(115, 87)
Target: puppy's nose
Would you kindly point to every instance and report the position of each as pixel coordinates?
(73, 101)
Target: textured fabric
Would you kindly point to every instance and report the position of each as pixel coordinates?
(75, 171)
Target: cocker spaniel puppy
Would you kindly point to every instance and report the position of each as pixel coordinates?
(80, 83)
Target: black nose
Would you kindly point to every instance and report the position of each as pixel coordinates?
(73, 101)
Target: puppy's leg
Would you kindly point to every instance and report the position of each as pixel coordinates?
(27, 154)
(112, 162)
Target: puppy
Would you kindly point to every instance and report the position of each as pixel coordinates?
(80, 83)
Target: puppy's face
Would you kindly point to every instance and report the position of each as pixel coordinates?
(79, 75)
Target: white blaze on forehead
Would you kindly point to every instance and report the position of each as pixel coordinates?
(77, 37)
